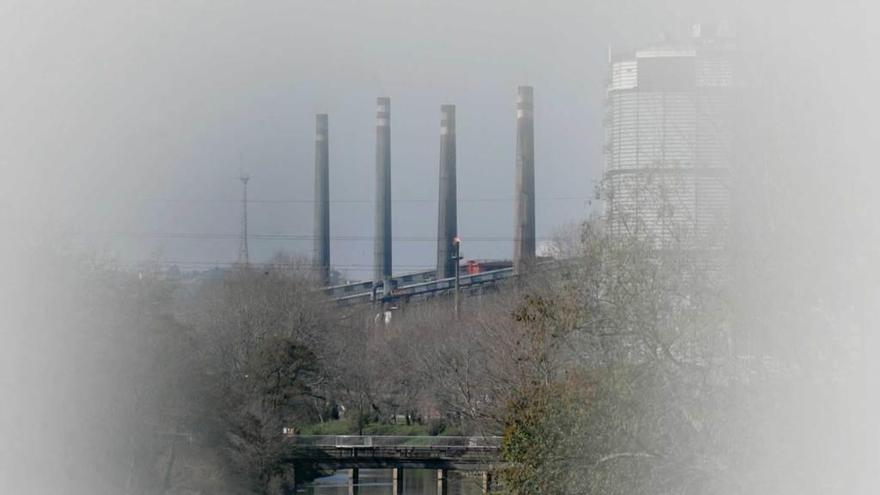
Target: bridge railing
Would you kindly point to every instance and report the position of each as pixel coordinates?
(367, 441)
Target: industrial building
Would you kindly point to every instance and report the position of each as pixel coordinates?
(668, 140)
(385, 286)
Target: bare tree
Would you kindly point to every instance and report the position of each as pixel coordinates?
(259, 332)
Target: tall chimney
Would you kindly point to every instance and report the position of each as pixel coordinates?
(321, 257)
(524, 227)
(447, 216)
(382, 248)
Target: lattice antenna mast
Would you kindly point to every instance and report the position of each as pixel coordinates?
(243, 256)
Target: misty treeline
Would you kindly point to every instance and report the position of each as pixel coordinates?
(144, 382)
(620, 370)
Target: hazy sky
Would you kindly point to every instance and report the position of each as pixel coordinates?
(137, 116)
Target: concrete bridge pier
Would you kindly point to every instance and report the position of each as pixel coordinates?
(486, 478)
(442, 482)
(397, 480)
(353, 481)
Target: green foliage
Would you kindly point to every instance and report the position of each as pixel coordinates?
(537, 437)
(335, 427)
(280, 368)
(396, 429)
(436, 426)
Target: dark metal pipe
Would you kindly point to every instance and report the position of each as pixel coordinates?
(382, 246)
(524, 226)
(321, 257)
(447, 219)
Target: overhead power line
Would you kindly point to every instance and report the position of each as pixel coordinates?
(282, 237)
(355, 201)
(161, 262)
(204, 265)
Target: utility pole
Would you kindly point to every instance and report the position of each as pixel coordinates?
(456, 242)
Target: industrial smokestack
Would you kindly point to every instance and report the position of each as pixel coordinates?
(524, 228)
(321, 257)
(382, 248)
(447, 216)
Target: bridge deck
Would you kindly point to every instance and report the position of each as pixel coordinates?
(363, 293)
(460, 453)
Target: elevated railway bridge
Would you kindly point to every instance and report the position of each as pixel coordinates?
(424, 285)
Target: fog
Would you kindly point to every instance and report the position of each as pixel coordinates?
(122, 120)
(137, 118)
(116, 107)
